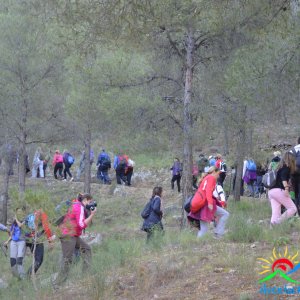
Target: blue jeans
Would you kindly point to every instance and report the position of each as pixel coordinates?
(103, 177)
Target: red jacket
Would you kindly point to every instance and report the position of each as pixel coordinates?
(218, 163)
(207, 187)
(74, 221)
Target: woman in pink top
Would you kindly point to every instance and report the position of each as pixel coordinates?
(58, 164)
(71, 229)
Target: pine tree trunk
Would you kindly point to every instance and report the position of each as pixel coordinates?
(240, 154)
(5, 191)
(87, 169)
(187, 122)
(22, 147)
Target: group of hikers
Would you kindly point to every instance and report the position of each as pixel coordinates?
(209, 201)
(206, 206)
(33, 229)
(63, 162)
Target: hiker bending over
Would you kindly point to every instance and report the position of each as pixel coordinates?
(212, 207)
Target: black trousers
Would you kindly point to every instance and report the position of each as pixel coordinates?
(177, 179)
(38, 256)
(67, 171)
(120, 174)
(221, 178)
(58, 167)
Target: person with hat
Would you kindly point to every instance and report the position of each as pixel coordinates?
(71, 228)
(57, 162)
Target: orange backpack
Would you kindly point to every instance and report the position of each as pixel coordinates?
(198, 201)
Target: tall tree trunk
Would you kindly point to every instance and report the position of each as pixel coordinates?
(22, 149)
(225, 132)
(187, 121)
(240, 154)
(5, 190)
(87, 169)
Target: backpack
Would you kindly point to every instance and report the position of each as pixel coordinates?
(30, 221)
(269, 179)
(223, 166)
(106, 162)
(70, 159)
(297, 156)
(187, 204)
(251, 166)
(147, 210)
(15, 232)
(122, 160)
(197, 202)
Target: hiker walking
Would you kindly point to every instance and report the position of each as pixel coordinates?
(249, 177)
(176, 173)
(17, 245)
(71, 229)
(275, 161)
(221, 165)
(36, 226)
(103, 164)
(120, 165)
(212, 206)
(129, 171)
(57, 163)
(202, 163)
(37, 164)
(68, 162)
(279, 194)
(152, 214)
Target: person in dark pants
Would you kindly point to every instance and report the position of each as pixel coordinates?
(57, 162)
(129, 171)
(120, 173)
(296, 176)
(71, 229)
(38, 217)
(176, 173)
(152, 220)
(103, 164)
(68, 166)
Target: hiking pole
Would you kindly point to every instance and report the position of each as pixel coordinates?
(4, 249)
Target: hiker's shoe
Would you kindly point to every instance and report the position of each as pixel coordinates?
(64, 179)
(71, 179)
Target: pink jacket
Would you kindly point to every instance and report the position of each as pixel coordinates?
(57, 159)
(73, 223)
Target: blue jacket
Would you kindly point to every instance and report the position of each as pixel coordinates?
(155, 214)
(102, 156)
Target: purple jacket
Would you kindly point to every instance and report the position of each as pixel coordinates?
(176, 168)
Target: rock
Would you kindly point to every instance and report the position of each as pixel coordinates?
(218, 270)
(253, 246)
(3, 284)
